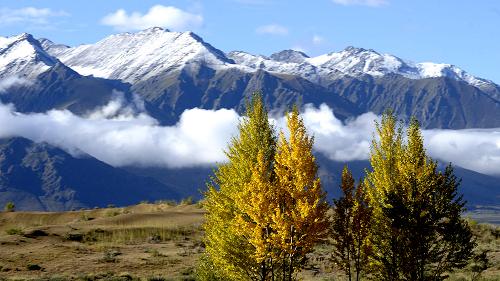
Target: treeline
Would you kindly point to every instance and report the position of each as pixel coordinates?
(266, 209)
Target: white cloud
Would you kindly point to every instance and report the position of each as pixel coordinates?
(129, 139)
(474, 149)
(162, 16)
(371, 3)
(273, 29)
(337, 140)
(120, 135)
(317, 40)
(30, 15)
(7, 82)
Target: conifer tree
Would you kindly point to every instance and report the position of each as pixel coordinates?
(299, 217)
(343, 238)
(230, 252)
(350, 227)
(361, 225)
(417, 233)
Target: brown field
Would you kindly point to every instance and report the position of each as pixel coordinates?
(146, 241)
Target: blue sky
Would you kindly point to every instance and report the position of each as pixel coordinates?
(462, 32)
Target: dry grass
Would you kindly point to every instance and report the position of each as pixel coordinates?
(145, 241)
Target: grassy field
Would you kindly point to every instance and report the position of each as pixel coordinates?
(146, 241)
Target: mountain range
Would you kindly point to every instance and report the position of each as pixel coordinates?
(175, 71)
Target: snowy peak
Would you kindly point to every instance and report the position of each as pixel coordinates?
(23, 56)
(138, 56)
(51, 47)
(353, 62)
(429, 69)
(289, 56)
(358, 61)
(134, 57)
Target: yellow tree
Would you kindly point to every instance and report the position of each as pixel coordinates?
(230, 253)
(256, 203)
(299, 215)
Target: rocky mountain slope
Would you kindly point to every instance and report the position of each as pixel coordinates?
(174, 71)
(42, 177)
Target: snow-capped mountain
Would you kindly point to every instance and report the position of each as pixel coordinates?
(352, 62)
(23, 57)
(138, 56)
(51, 47)
(133, 57)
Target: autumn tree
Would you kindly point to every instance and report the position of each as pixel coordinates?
(350, 227)
(265, 206)
(418, 232)
(229, 252)
(299, 215)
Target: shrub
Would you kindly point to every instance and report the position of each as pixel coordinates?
(187, 201)
(112, 213)
(35, 233)
(10, 207)
(33, 267)
(14, 231)
(77, 237)
(110, 256)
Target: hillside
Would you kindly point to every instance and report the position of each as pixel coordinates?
(43, 177)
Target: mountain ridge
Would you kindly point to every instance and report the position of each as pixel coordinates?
(352, 61)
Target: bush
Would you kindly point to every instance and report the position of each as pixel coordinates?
(35, 233)
(110, 256)
(33, 267)
(86, 217)
(187, 201)
(76, 237)
(10, 207)
(14, 231)
(112, 213)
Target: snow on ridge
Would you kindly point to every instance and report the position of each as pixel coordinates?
(136, 56)
(355, 62)
(23, 56)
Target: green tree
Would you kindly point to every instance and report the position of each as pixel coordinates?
(350, 227)
(418, 232)
(231, 253)
(362, 221)
(10, 207)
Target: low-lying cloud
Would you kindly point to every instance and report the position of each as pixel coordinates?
(11, 81)
(121, 135)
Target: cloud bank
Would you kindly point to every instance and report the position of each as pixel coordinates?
(120, 135)
(7, 82)
(162, 16)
